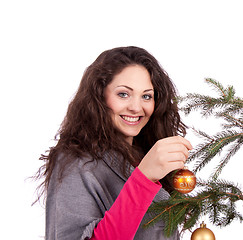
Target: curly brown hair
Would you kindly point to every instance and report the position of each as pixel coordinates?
(87, 126)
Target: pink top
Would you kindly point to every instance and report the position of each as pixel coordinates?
(122, 220)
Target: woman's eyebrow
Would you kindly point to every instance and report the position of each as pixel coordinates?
(147, 90)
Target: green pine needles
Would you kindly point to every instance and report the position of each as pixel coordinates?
(226, 107)
(215, 198)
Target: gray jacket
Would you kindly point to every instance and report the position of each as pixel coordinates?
(76, 205)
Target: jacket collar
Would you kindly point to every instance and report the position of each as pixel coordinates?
(115, 162)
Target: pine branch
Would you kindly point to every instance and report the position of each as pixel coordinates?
(218, 86)
(233, 120)
(227, 107)
(217, 200)
(226, 100)
(231, 152)
(222, 139)
(213, 146)
(206, 103)
(235, 106)
(200, 149)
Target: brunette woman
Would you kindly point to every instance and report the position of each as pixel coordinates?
(121, 137)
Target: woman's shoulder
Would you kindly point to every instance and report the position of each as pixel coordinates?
(86, 167)
(75, 163)
(70, 170)
(85, 162)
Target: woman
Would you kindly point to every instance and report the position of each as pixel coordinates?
(118, 142)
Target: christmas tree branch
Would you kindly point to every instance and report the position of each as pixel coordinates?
(217, 86)
(198, 101)
(157, 216)
(236, 122)
(185, 210)
(226, 159)
(215, 198)
(221, 142)
(201, 148)
(227, 101)
(212, 146)
(206, 151)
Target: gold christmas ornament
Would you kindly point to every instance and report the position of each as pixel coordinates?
(184, 181)
(203, 233)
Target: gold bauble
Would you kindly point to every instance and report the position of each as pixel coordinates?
(203, 233)
(184, 181)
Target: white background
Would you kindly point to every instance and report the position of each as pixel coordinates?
(45, 47)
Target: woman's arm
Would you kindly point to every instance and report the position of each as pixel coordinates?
(124, 217)
(127, 212)
(76, 207)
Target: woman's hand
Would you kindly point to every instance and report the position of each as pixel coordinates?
(166, 155)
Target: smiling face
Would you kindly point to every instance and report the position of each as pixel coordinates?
(130, 96)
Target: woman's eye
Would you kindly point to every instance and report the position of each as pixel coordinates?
(147, 97)
(123, 95)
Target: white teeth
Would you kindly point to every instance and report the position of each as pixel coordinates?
(130, 119)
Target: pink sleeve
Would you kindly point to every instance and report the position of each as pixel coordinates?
(124, 217)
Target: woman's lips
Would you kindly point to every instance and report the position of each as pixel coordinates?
(131, 120)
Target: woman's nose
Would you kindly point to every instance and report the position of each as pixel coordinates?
(135, 105)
